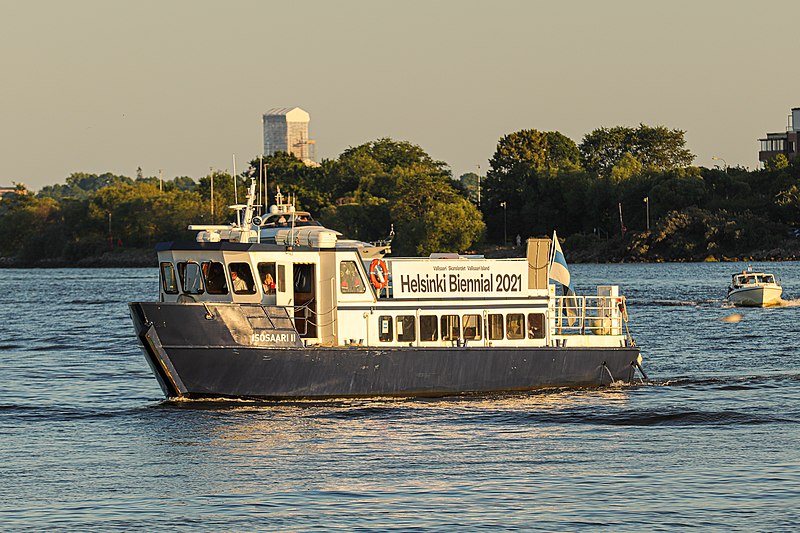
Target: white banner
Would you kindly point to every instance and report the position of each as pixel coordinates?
(459, 278)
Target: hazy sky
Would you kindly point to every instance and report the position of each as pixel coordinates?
(181, 86)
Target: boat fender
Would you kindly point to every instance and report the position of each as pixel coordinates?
(623, 310)
(378, 273)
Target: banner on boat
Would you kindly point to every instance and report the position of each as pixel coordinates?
(471, 278)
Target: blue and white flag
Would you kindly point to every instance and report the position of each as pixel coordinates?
(558, 268)
(560, 273)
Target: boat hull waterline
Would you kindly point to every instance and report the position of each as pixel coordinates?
(756, 296)
(222, 367)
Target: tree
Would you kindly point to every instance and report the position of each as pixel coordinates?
(521, 164)
(388, 182)
(656, 148)
(430, 216)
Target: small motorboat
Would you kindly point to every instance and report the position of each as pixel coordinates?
(754, 289)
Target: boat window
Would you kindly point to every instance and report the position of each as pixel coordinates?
(428, 328)
(405, 328)
(515, 323)
(495, 325)
(385, 328)
(191, 277)
(214, 274)
(266, 272)
(450, 328)
(242, 278)
(350, 281)
(281, 278)
(472, 327)
(536, 326)
(168, 280)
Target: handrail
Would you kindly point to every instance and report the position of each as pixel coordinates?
(587, 315)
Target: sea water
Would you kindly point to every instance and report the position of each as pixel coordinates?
(87, 441)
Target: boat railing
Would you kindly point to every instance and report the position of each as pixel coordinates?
(588, 315)
(304, 315)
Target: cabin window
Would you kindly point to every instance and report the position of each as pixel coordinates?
(281, 278)
(168, 280)
(536, 326)
(214, 274)
(451, 330)
(350, 281)
(405, 329)
(515, 326)
(191, 277)
(242, 278)
(266, 272)
(385, 329)
(428, 328)
(495, 325)
(472, 327)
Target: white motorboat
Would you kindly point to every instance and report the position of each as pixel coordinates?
(754, 289)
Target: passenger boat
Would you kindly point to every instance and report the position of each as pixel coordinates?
(280, 307)
(754, 289)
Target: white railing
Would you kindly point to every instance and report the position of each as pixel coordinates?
(587, 315)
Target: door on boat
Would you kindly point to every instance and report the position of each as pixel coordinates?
(305, 303)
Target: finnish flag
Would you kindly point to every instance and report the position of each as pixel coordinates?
(558, 268)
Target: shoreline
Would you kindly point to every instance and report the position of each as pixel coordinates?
(147, 258)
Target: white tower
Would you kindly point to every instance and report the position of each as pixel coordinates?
(286, 130)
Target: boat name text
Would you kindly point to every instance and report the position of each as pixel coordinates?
(265, 336)
(455, 283)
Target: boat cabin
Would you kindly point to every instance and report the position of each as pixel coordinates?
(346, 293)
(751, 278)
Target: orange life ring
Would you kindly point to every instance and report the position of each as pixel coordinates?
(378, 273)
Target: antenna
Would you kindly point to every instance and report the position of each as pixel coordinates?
(260, 181)
(235, 192)
(211, 172)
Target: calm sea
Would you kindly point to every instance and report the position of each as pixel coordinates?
(87, 442)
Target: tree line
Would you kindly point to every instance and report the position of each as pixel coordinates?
(622, 193)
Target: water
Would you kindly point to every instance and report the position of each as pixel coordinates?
(87, 443)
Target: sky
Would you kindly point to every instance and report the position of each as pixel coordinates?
(180, 86)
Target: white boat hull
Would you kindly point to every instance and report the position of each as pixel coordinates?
(763, 296)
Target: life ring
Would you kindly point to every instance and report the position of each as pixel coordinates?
(378, 273)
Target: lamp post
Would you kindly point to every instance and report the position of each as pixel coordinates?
(724, 163)
(647, 207)
(505, 238)
(479, 185)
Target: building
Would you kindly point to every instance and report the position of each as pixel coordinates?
(286, 130)
(8, 189)
(782, 143)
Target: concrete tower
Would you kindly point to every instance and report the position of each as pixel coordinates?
(286, 130)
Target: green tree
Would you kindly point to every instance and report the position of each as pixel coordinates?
(655, 148)
(521, 176)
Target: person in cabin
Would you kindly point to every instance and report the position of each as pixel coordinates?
(269, 284)
(239, 285)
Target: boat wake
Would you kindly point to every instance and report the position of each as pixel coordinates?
(788, 303)
(682, 303)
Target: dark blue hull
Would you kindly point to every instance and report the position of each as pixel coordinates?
(192, 356)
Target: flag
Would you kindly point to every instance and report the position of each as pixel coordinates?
(558, 267)
(560, 273)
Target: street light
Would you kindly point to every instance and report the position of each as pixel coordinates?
(505, 238)
(725, 164)
(479, 185)
(647, 204)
